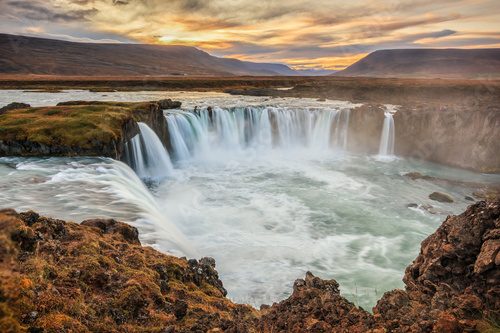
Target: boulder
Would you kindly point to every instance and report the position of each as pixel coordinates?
(441, 197)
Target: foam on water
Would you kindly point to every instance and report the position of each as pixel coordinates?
(268, 205)
(147, 156)
(79, 189)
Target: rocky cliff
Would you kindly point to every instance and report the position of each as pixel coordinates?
(79, 128)
(451, 135)
(451, 122)
(95, 276)
(459, 136)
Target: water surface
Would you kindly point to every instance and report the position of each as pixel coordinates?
(267, 214)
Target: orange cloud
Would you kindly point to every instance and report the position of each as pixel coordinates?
(327, 34)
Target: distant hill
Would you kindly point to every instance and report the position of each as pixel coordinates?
(40, 56)
(428, 63)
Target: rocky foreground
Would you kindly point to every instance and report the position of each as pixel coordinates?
(95, 276)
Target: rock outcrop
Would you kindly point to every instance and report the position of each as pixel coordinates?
(451, 135)
(95, 276)
(13, 106)
(60, 276)
(452, 286)
(315, 306)
(79, 128)
(441, 197)
(461, 136)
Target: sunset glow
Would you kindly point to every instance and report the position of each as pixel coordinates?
(303, 34)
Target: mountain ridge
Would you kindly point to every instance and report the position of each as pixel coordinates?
(43, 56)
(428, 63)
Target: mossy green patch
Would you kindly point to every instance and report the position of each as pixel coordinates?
(82, 125)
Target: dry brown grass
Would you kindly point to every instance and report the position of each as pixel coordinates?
(69, 125)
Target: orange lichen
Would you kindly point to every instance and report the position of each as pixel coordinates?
(26, 283)
(79, 278)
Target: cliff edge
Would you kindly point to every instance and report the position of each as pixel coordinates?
(78, 128)
(95, 276)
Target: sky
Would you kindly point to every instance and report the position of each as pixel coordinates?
(322, 34)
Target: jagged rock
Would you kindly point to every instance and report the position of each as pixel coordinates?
(315, 306)
(92, 278)
(441, 197)
(180, 309)
(169, 104)
(129, 233)
(58, 276)
(453, 283)
(204, 272)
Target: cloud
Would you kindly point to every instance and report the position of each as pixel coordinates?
(120, 2)
(306, 34)
(37, 11)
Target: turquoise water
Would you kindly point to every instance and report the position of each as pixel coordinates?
(266, 215)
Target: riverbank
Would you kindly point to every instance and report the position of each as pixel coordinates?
(96, 276)
(358, 89)
(78, 128)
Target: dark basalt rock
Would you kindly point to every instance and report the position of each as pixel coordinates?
(180, 309)
(129, 233)
(204, 272)
(166, 104)
(441, 197)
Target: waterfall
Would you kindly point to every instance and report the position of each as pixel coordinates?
(235, 129)
(386, 147)
(147, 156)
(341, 128)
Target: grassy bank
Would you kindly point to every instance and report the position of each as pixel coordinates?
(76, 128)
(66, 125)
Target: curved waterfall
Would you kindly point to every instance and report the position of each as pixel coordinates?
(83, 188)
(386, 147)
(147, 156)
(192, 133)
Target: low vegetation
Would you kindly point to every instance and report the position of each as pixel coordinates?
(69, 125)
(58, 276)
(76, 128)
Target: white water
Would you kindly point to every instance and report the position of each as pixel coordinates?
(267, 205)
(255, 129)
(147, 156)
(387, 138)
(84, 188)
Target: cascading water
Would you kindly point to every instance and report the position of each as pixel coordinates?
(256, 127)
(262, 192)
(84, 188)
(147, 156)
(386, 147)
